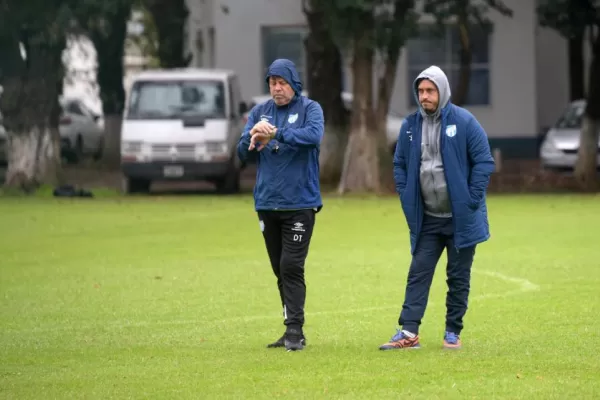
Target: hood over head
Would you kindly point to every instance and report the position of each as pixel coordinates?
(287, 70)
(440, 80)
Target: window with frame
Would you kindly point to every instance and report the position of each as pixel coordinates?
(284, 42)
(442, 48)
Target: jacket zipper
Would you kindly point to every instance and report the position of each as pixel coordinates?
(442, 143)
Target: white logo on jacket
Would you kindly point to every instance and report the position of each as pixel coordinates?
(451, 130)
(293, 118)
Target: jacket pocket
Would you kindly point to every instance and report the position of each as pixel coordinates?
(474, 205)
(466, 219)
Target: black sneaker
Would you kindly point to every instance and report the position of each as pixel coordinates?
(293, 340)
(281, 342)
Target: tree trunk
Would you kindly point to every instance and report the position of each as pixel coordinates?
(324, 85)
(361, 170)
(462, 90)
(384, 94)
(31, 160)
(585, 168)
(391, 52)
(110, 49)
(28, 100)
(169, 18)
(331, 156)
(576, 67)
(112, 141)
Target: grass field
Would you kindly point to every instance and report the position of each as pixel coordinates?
(172, 297)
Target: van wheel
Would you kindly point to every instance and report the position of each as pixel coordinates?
(132, 186)
(230, 183)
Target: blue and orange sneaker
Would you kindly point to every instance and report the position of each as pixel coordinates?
(452, 341)
(402, 340)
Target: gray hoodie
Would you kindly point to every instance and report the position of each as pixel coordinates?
(433, 181)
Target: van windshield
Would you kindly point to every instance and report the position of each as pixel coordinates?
(171, 99)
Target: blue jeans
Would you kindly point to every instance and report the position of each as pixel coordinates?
(437, 235)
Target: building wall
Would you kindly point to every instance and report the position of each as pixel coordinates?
(527, 78)
(238, 42)
(552, 78)
(512, 110)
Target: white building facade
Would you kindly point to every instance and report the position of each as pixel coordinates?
(519, 80)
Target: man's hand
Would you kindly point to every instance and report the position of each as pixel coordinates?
(261, 133)
(261, 139)
(261, 127)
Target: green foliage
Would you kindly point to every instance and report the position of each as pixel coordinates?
(146, 39)
(568, 17)
(32, 38)
(395, 23)
(392, 22)
(471, 11)
(105, 22)
(168, 20)
(97, 14)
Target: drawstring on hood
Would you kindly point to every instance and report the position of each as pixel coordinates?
(440, 80)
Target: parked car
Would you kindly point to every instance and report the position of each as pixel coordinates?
(394, 120)
(561, 142)
(80, 133)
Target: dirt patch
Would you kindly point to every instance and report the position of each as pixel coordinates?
(90, 176)
(527, 176)
(517, 176)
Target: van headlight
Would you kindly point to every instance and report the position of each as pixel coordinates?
(132, 147)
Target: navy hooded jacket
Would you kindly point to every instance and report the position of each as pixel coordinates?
(468, 165)
(287, 175)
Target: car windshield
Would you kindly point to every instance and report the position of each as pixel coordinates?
(171, 99)
(571, 119)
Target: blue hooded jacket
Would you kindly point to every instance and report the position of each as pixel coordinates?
(468, 165)
(287, 175)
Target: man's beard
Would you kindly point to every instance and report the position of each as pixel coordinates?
(429, 111)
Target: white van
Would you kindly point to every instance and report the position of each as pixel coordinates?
(182, 124)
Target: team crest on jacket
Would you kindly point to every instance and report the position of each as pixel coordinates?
(293, 118)
(451, 130)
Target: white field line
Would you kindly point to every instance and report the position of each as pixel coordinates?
(522, 286)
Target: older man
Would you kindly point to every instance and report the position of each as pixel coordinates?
(283, 135)
(442, 167)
